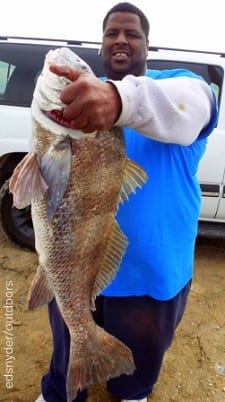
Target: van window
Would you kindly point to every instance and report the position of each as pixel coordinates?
(213, 74)
(6, 70)
(20, 65)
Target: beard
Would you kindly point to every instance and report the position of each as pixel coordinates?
(137, 68)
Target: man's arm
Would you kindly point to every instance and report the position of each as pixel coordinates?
(171, 110)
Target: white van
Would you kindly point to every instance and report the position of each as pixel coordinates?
(21, 60)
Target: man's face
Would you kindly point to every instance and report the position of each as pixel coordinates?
(124, 46)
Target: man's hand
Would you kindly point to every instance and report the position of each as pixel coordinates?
(91, 104)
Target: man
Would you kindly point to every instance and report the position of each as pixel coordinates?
(169, 115)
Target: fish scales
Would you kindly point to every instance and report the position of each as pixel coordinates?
(74, 183)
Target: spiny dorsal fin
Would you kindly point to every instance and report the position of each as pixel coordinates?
(111, 261)
(134, 176)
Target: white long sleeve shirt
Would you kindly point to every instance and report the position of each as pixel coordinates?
(172, 110)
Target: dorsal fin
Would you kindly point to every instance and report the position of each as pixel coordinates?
(115, 250)
(134, 176)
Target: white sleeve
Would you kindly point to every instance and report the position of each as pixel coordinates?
(171, 110)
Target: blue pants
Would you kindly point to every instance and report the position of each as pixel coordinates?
(144, 324)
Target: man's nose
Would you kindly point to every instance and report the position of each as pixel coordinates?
(121, 37)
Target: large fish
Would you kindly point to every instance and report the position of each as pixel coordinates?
(74, 183)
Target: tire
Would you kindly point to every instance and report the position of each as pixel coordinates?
(16, 223)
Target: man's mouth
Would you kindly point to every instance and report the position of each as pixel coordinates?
(120, 56)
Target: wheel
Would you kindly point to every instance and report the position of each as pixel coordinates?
(16, 223)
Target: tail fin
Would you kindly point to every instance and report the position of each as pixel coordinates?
(106, 358)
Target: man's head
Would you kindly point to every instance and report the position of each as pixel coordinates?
(125, 41)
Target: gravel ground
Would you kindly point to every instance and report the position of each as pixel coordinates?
(193, 369)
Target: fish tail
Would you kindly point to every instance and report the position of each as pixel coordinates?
(106, 358)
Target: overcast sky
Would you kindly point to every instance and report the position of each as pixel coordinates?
(192, 24)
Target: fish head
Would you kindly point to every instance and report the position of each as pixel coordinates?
(65, 56)
(46, 96)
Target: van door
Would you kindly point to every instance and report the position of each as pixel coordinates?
(212, 166)
(211, 177)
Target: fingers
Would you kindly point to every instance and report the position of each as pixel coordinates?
(76, 113)
(71, 93)
(90, 104)
(65, 71)
(87, 122)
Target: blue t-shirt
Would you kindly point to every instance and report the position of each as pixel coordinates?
(161, 219)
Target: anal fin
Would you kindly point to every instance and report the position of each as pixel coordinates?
(40, 292)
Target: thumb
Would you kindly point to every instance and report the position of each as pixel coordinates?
(65, 71)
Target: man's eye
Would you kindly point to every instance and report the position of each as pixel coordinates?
(110, 34)
(133, 35)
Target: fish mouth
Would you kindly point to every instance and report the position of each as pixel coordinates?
(57, 117)
(53, 120)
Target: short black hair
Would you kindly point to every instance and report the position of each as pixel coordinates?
(129, 8)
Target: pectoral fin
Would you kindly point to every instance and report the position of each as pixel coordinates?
(26, 183)
(55, 168)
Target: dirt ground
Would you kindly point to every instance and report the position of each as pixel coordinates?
(190, 369)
